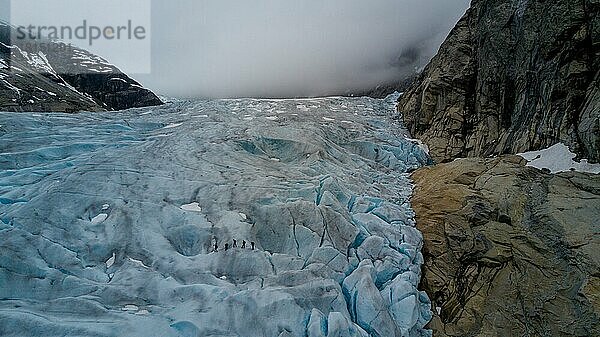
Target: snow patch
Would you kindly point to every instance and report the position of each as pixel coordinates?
(99, 218)
(173, 125)
(110, 262)
(130, 307)
(139, 263)
(193, 207)
(558, 158)
(118, 79)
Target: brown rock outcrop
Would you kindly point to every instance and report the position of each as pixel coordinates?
(510, 250)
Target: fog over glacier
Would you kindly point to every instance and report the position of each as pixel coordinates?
(292, 48)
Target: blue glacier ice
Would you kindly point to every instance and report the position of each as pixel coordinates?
(108, 221)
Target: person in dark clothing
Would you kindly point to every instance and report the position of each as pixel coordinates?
(252, 243)
(226, 246)
(234, 243)
(243, 244)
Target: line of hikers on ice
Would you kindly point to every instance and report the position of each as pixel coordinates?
(216, 245)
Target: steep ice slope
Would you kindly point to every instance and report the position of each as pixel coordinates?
(108, 221)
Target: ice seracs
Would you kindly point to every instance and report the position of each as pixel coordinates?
(336, 251)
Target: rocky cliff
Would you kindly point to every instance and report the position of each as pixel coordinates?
(509, 250)
(50, 76)
(513, 75)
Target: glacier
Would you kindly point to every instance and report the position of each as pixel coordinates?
(109, 221)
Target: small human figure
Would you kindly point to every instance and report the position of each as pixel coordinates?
(252, 243)
(226, 246)
(243, 244)
(234, 243)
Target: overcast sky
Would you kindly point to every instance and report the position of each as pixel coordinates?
(276, 48)
(292, 47)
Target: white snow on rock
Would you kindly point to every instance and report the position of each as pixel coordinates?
(38, 61)
(92, 62)
(193, 207)
(558, 158)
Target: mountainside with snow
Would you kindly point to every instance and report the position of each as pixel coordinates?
(51, 76)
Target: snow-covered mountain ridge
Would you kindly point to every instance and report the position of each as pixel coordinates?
(51, 76)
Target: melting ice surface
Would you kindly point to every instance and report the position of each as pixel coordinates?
(108, 221)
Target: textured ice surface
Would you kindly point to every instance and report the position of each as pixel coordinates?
(108, 221)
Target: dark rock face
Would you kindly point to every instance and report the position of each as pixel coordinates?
(513, 76)
(386, 89)
(509, 250)
(53, 77)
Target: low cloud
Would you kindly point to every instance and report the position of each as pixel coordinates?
(289, 48)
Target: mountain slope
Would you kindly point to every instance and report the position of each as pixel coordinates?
(513, 76)
(69, 80)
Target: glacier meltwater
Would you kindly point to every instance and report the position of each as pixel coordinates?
(109, 221)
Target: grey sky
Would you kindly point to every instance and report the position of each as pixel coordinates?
(291, 47)
(225, 48)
